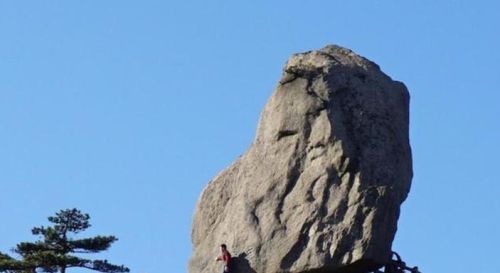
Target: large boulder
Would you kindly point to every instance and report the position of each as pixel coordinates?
(321, 186)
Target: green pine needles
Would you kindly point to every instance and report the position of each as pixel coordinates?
(56, 250)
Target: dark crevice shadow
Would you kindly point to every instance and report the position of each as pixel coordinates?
(240, 264)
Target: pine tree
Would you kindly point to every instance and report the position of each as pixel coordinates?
(57, 249)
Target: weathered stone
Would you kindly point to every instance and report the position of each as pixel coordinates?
(321, 186)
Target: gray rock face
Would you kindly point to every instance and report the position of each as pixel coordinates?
(321, 186)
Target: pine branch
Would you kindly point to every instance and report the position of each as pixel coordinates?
(26, 248)
(92, 245)
(11, 265)
(50, 234)
(104, 266)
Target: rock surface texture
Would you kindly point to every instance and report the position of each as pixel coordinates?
(320, 188)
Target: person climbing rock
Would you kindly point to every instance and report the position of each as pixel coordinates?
(225, 257)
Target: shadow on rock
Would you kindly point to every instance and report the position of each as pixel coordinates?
(240, 264)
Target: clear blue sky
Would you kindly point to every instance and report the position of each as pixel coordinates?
(126, 109)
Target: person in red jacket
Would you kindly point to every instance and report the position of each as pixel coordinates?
(225, 257)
